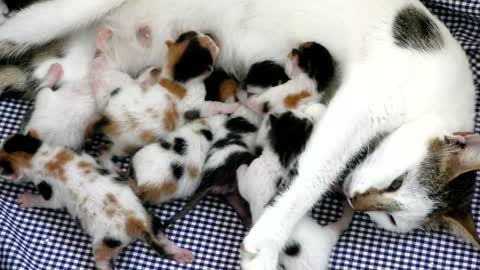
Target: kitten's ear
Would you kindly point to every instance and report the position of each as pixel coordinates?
(461, 223)
(169, 43)
(466, 147)
(33, 133)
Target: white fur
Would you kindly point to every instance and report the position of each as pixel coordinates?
(61, 117)
(87, 195)
(152, 163)
(384, 88)
(257, 184)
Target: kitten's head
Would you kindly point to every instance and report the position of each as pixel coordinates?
(314, 60)
(288, 134)
(17, 154)
(191, 56)
(436, 191)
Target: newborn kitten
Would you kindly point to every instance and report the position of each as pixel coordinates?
(170, 168)
(104, 204)
(311, 69)
(61, 116)
(310, 244)
(139, 112)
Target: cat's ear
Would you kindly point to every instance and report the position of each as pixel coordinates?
(21, 143)
(273, 119)
(461, 224)
(466, 148)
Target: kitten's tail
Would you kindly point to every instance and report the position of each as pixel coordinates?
(48, 20)
(344, 222)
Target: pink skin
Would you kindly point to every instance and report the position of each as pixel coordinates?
(250, 103)
(144, 36)
(29, 200)
(211, 108)
(54, 75)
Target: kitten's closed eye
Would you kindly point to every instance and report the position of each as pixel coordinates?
(396, 184)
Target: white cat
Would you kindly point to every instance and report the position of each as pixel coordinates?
(405, 81)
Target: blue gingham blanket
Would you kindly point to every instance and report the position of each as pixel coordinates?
(41, 239)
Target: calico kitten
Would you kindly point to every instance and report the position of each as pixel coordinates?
(310, 244)
(311, 69)
(170, 168)
(139, 112)
(104, 204)
(62, 116)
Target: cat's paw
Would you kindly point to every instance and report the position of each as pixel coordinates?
(264, 259)
(259, 250)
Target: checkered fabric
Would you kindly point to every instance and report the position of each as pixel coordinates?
(40, 239)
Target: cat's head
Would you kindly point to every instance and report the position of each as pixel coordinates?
(190, 56)
(314, 60)
(287, 134)
(17, 154)
(435, 191)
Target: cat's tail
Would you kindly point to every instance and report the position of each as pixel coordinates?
(45, 21)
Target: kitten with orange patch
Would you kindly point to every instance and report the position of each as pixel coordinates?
(103, 202)
(139, 112)
(311, 69)
(171, 168)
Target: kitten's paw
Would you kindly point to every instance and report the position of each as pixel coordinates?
(184, 256)
(231, 108)
(241, 171)
(28, 200)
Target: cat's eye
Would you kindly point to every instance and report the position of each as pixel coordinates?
(392, 219)
(396, 184)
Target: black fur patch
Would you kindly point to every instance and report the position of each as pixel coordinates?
(414, 29)
(191, 115)
(265, 74)
(266, 107)
(14, 5)
(180, 146)
(165, 145)
(6, 167)
(122, 179)
(360, 156)
(45, 190)
(226, 174)
(185, 36)
(230, 139)
(293, 249)
(288, 136)
(157, 225)
(177, 170)
(240, 125)
(207, 134)
(115, 92)
(258, 151)
(316, 61)
(214, 82)
(195, 61)
(111, 242)
(102, 171)
(22, 143)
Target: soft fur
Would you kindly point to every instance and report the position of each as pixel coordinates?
(404, 79)
(310, 244)
(170, 168)
(104, 204)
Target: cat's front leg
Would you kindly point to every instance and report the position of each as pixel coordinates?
(344, 130)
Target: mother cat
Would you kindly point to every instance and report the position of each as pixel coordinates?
(405, 84)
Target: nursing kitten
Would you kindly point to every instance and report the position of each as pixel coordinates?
(139, 112)
(405, 82)
(311, 70)
(62, 116)
(170, 168)
(106, 207)
(310, 244)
